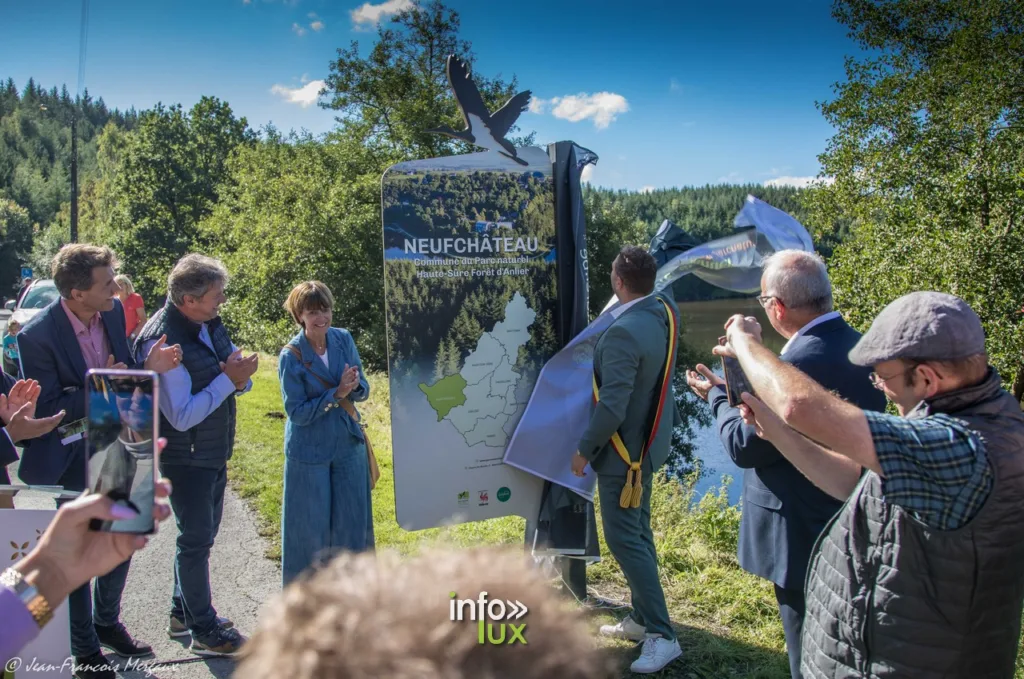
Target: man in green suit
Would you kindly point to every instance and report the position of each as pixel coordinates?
(633, 366)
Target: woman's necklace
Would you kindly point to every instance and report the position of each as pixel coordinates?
(317, 347)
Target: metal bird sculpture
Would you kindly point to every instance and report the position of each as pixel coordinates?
(482, 129)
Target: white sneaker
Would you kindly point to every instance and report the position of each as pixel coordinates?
(627, 628)
(657, 652)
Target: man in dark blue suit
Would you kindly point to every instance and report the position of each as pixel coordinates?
(84, 329)
(783, 512)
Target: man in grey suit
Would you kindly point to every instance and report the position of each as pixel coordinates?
(633, 366)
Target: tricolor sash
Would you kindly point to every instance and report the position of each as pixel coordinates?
(632, 492)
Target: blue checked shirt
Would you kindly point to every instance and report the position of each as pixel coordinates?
(934, 467)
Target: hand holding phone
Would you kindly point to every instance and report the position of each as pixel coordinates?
(121, 432)
(736, 381)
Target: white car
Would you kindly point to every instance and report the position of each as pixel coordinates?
(39, 296)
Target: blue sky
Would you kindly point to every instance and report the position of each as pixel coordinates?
(666, 93)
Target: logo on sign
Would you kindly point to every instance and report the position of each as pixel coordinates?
(504, 494)
(483, 497)
(464, 497)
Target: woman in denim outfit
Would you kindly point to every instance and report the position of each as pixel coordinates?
(326, 506)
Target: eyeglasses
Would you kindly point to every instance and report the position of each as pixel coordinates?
(763, 299)
(879, 382)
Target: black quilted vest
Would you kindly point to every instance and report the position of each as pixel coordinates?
(209, 443)
(889, 597)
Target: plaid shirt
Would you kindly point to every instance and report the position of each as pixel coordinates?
(934, 467)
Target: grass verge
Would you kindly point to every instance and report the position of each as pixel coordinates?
(727, 620)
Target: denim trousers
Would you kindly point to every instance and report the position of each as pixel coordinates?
(326, 509)
(95, 603)
(198, 504)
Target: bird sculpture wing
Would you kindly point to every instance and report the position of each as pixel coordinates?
(505, 117)
(465, 90)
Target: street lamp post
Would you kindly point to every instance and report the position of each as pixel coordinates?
(74, 179)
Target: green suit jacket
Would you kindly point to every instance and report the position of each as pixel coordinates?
(629, 359)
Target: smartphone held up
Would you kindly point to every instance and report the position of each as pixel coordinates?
(736, 381)
(121, 432)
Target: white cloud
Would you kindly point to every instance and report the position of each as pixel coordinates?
(601, 107)
(673, 85)
(536, 105)
(587, 174)
(304, 96)
(370, 14)
(317, 26)
(298, 30)
(312, 15)
(798, 182)
(731, 178)
(647, 189)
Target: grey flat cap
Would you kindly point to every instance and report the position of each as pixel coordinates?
(921, 326)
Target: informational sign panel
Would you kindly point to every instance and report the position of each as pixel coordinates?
(26, 272)
(20, 530)
(471, 280)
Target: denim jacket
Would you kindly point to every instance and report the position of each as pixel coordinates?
(317, 425)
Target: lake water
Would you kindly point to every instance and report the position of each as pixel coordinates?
(702, 326)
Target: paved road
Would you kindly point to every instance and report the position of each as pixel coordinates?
(242, 580)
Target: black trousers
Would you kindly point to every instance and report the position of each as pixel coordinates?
(791, 608)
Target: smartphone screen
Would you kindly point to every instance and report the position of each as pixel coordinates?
(120, 434)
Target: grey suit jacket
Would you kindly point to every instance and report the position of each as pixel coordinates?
(629, 359)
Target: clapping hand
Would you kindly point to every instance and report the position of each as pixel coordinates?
(23, 392)
(349, 381)
(18, 410)
(239, 369)
(163, 358)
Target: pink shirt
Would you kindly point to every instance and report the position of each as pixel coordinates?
(92, 339)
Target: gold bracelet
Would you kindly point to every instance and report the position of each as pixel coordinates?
(35, 602)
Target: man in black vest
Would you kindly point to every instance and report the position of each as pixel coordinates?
(783, 512)
(918, 575)
(197, 417)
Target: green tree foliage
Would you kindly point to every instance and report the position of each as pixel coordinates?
(609, 227)
(15, 239)
(297, 208)
(170, 172)
(390, 98)
(928, 161)
(35, 152)
(705, 212)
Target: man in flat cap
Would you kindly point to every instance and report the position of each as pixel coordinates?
(921, 573)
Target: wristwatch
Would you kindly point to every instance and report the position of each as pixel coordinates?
(36, 604)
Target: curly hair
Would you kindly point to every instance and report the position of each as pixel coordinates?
(377, 616)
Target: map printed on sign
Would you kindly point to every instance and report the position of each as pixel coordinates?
(480, 400)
